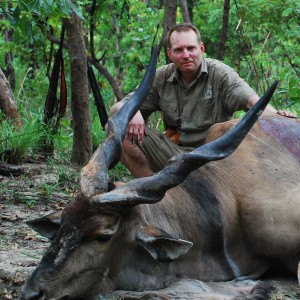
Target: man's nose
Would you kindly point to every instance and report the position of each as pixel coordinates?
(186, 53)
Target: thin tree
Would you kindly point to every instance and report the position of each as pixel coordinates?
(185, 11)
(169, 20)
(190, 5)
(8, 34)
(7, 101)
(80, 106)
(224, 31)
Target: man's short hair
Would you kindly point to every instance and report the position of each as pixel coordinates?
(180, 28)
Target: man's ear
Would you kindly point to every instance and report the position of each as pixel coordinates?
(47, 226)
(202, 47)
(169, 53)
(161, 246)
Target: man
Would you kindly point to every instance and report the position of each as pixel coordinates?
(193, 93)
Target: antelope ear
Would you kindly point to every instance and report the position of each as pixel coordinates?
(47, 226)
(161, 246)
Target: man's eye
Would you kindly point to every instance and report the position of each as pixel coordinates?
(103, 238)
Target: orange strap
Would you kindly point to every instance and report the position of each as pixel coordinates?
(173, 135)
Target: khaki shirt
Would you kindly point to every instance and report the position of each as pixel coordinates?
(215, 94)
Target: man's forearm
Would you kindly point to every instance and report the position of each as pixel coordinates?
(269, 109)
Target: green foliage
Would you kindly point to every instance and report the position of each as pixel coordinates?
(15, 142)
(125, 34)
(98, 134)
(63, 140)
(42, 9)
(262, 45)
(119, 173)
(257, 47)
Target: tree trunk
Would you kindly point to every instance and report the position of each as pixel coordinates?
(82, 140)
(8, 37)
(185, 11)
(7, 101)
(169, 20)
(224, 31)
(191, 5)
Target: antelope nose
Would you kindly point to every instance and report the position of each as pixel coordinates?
(30, 294)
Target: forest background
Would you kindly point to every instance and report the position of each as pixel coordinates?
(259, 39)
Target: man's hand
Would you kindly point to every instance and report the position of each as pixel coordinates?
(136, 129)
(286, 114)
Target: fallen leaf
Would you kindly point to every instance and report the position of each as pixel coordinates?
(15, 246)
(29, 235)
(59, 206)
(7, 294)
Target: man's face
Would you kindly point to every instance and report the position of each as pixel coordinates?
(186, 52)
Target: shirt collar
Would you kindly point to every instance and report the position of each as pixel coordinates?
(176, 75)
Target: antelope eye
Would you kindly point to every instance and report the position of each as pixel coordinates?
(103, 238)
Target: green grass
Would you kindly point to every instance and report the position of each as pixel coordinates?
(19, 145)
(15, 142)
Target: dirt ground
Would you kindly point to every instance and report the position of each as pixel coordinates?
(26, 197)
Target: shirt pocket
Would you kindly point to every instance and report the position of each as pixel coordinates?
(205, 114)
(170, 114)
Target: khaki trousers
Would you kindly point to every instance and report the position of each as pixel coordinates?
(158, 148)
